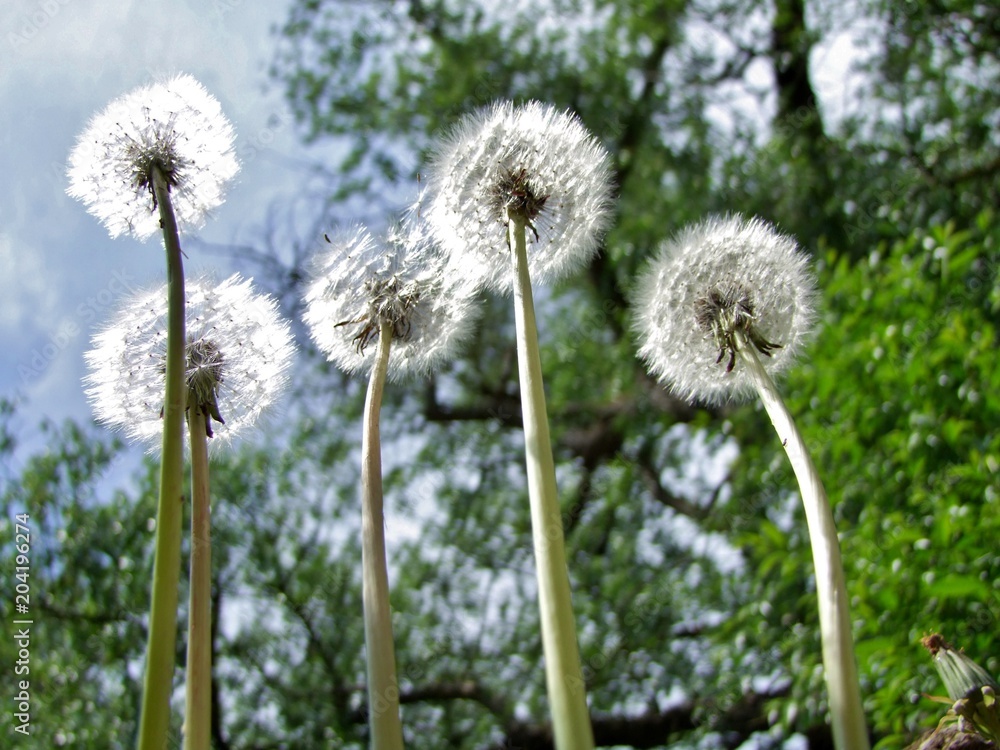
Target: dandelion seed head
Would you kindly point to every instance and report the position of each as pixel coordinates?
(717, 280)
(204, 374)
(237, 356)
(358, 281)
(205, 368)
(532, 162)
(176, 126)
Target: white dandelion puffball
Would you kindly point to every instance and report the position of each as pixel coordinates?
(236, 342)
(358, 281)
(716, 281)
(533, 160)
(176, 125)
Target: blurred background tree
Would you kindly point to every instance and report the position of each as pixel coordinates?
(690, 568)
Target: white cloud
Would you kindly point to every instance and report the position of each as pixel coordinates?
(61, 61)
(24, 291)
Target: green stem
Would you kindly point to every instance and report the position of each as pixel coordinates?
(383, 687)
(563, 677)
(846, 713)
(154, 724)
(198, 709)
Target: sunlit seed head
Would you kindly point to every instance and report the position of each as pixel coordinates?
(725, 313)
(514, 196)
(176, 126)
(205, 368)
(237, 354)
(205, 373)
(719, 282)
(391, 301)
(530, 162)
(359, 281)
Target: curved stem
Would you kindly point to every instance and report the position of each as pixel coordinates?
(840, 665)
(563, 677)
(154, 724)
(198, 700)
(383, 687)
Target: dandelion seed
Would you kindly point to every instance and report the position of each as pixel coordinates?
(176, 126)
(716, 280)
(238, 351)
(533, 162)
(357, 282)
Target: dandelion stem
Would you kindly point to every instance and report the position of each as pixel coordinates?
(154, 724)
(847, 716)
(383, 687)
(564, 679)
(198, 711)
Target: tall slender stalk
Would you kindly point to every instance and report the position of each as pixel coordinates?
(198, 708)
(383, 687)
(563, 677)
(840, 665)
(154, 724)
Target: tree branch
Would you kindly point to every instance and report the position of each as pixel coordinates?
(437, 692)
(94, 618)
(651, 729)
(651, 478)
(501, 407)
(654, 728)
(219, 741)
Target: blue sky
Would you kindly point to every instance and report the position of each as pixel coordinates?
(61, 61)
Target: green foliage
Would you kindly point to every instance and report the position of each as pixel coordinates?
(939, 67)
(688, 557)
(910, 456)
(90, 557)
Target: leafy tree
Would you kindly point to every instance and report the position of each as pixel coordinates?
(90, 552)
(640, 78)
(662, 608)
(914, 460)
(938, 71)
(688, 559)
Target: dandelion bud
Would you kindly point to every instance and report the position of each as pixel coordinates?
(971, 687)
(961, 675)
